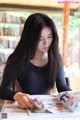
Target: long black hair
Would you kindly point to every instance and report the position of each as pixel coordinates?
(28, 43)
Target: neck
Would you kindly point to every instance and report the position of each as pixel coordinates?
(40, 56)
(40, 59)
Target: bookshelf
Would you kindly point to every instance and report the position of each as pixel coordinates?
(11, 27)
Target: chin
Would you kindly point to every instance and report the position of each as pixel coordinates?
(45, 51)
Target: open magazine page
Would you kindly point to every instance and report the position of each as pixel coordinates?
(69, 99)
(48, 104)
(48, 107)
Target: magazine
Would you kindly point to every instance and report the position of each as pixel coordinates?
(67, 101)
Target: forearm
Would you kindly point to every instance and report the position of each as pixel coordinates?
(62, 87)
(6, 94)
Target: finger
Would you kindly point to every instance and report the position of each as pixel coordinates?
(20, 105)
(30, 99)
(27, 103)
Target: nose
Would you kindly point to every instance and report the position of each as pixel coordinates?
(46, 42)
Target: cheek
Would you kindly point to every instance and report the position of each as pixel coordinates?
(39, 45)
(50, 42)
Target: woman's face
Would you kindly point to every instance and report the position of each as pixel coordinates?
(45, 40)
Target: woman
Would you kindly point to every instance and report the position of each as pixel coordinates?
(35, 62)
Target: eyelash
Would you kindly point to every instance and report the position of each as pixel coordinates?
(41, 39)
(48, 37)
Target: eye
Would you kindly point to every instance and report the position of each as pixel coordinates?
(41, 39)
(50, 36)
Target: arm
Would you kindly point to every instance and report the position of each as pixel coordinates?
(9, 76)
(60, 81)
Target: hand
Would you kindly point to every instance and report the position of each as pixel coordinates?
(38, 103)
(24, 100)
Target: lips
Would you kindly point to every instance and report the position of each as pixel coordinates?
(46, 48)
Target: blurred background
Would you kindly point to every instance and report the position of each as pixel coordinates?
(65, 14)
